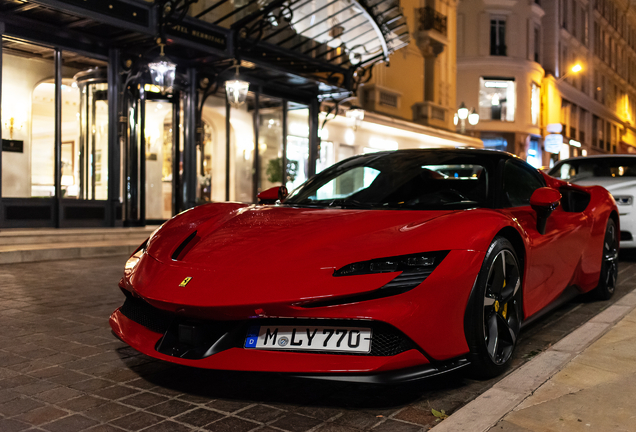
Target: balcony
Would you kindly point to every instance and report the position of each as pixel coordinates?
(430, 19)
(431, 35)
(431, 114)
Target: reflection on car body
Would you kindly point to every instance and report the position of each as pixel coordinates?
(418, 261)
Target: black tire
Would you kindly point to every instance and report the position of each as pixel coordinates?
(494, 313)
(609, 265)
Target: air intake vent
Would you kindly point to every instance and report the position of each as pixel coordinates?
(185, 247)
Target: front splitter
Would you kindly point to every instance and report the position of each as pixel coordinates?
(399, 376)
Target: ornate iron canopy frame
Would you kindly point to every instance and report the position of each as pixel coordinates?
(276, 35)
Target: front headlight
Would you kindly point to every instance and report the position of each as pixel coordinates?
(414, 263)
(413, 268)
(134, 259)
(623, 199)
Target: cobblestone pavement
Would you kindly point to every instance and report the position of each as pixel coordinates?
(62, 370)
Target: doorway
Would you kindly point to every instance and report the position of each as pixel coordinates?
(162, 173)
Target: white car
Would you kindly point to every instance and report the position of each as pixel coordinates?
(617, 174)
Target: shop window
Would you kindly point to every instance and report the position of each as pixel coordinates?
(28, 117)
(497, 99)
(270, 145)
(242, 151)
(28, 120)
(159, 134)
(297, 144)
(84, 127)
(498, 37)
(211, 154)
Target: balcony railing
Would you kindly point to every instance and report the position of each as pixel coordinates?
(430, 19)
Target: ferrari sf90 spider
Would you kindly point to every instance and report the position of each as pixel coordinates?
(385, 267)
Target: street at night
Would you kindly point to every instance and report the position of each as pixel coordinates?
(63, 370)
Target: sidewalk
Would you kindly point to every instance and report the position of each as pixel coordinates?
(585, 382)
(596, 391)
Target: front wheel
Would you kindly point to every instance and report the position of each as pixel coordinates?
(494, 314)
(609, 265)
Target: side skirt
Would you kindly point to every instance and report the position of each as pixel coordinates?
(568, 294)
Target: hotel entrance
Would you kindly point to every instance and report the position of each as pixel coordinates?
(93, 134)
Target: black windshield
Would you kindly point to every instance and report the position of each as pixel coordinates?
(580, 169)
(401, 180)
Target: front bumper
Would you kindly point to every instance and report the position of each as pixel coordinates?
(230, 354)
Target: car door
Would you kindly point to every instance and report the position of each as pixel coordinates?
(553, 257)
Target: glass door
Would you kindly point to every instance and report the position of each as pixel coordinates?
(161, 152)
(93, 146)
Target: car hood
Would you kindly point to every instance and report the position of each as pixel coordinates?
(271, 255)
(284, 235)
(612, 184)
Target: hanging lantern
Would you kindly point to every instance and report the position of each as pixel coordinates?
(162, 71)
(357, 114)
(236, 89)
(236, 92)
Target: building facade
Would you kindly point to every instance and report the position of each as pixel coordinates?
(118, 113)
(515, 63)
(409, 101)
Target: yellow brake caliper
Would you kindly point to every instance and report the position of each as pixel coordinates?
(505, 309)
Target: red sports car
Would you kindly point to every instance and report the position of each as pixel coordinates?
(385, 267)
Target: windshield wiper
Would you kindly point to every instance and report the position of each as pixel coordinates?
(349, 203)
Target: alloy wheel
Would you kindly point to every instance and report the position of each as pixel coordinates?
(502, 307)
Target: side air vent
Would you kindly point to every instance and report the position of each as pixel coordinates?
(185, 247)
(414, 270)
(409, 280)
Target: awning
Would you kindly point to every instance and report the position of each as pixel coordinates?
(311, 36)
(312, 46)
(355, 32)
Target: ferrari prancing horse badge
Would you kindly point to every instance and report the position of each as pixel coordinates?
(185, 281)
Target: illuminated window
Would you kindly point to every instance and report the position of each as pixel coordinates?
(535, 107)
(497, 99)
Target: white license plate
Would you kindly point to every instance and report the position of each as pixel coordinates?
(310, 338)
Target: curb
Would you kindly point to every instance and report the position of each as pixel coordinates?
(487, 409)
(63, 253)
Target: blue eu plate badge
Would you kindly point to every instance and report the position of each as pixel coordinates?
(252, 337)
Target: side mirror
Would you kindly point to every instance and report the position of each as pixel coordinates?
(544, 201)
(271, 195)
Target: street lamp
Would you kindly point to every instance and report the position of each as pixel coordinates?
(574, 69)
(464, 114)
